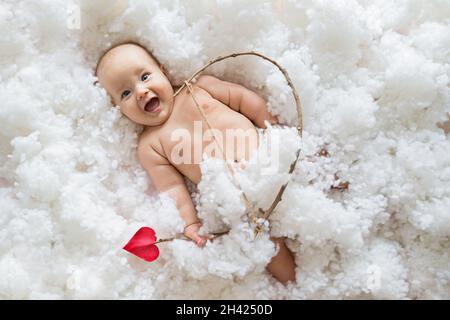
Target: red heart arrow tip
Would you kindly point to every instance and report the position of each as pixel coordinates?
(142, 244)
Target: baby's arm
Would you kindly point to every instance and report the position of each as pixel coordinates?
(239, 98)
(167, 178)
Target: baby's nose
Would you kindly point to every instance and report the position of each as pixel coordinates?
(141, 92)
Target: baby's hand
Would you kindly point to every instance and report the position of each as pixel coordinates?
(191, 231)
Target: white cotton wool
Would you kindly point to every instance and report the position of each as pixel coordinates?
(318, 267)
(14, 280)
(268, 169)
(25, 147)
(432, 216)
(433, 39)
(233, 255)
(366, 212)
(219, 198)
(75, 212)
(334, 38)
(281, 99)
(411, 88)
(308, 214)
(377, 272)
(387, 274)
(84, 283)
(42, 174)
(162, 215)
(427, 261)
(347, 113)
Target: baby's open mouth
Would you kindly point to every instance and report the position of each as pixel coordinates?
(152, 105)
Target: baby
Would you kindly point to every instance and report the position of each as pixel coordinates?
(138, 84)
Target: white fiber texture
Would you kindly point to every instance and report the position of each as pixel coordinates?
(366, 213)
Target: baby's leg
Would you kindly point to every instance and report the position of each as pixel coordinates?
(282, 266)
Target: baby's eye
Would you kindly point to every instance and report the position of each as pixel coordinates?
(125, 94)
(145, 76)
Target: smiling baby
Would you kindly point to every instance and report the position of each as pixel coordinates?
(138, 84)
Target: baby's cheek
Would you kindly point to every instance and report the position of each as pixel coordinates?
(124, 109)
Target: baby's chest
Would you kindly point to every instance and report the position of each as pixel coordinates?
(197, 123)
(203, 107)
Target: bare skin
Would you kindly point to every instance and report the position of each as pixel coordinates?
(140, 87)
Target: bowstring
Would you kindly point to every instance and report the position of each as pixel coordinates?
(250, 208)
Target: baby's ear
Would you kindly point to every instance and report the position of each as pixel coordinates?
(163, 69)
(96, 83)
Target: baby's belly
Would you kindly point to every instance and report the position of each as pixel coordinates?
(232, 138)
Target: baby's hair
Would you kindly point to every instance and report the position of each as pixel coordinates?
(123, 43)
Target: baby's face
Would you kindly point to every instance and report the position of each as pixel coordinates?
(137, 84)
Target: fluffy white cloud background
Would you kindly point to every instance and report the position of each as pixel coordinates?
(374, 81)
